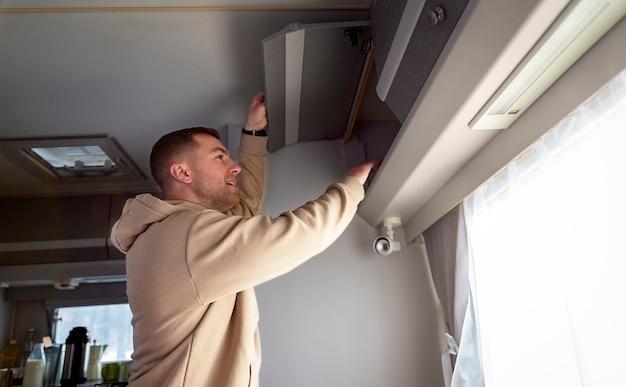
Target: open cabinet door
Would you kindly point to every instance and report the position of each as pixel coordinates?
(311, 76)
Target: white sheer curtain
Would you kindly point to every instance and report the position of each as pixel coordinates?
(547, 256)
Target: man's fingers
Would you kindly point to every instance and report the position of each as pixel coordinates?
(369, 165)
(257, 112)
(258, 98)
(362, 171)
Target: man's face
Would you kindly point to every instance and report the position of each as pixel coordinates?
(214, 174)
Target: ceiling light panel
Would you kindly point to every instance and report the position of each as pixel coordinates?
(578, 28)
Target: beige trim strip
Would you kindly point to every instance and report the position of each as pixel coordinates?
(192, 8)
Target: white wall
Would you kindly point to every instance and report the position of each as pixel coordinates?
(347, 317)
(30, 314)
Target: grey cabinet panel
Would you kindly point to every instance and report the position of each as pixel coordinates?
(385, 18)
(421, 54)
(311, 75)
(418, 57)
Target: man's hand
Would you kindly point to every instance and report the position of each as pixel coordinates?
(362, 171)
(257, 114)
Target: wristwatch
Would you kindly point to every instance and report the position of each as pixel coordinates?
(259, 133)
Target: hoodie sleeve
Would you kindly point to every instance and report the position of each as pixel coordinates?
(228, 254)
(252, 179)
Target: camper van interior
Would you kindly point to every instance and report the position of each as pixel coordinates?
(487, 251)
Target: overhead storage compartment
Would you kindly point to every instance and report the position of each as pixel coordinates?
(409, 36)
(311, 76)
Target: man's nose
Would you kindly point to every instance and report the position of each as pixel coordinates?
(235, 169)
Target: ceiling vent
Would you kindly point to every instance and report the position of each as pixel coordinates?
(67, 159)
(76, 161)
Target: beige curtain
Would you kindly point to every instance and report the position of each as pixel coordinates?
(446, 246)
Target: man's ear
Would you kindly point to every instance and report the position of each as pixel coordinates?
(180, 172)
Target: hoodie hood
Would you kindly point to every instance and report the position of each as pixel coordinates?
(140, 213)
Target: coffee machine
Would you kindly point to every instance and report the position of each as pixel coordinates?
(94, 367)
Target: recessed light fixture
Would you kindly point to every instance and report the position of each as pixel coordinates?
(581, 24)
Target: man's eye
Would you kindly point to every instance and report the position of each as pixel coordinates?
(219, 157)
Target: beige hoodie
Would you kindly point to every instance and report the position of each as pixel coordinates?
(191, 273)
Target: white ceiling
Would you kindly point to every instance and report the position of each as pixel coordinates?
(133, 75)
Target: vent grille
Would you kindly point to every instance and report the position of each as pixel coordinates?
(67, 159)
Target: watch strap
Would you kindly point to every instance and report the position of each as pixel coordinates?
(259, 133)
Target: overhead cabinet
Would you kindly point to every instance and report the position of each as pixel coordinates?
(409, 37)
(315, 73)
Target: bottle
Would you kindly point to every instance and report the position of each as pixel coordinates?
(29, 343)
(52, 377)
(35, 367)
(10, 355)
(76, 347)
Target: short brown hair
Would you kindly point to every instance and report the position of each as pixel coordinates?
(170, 145)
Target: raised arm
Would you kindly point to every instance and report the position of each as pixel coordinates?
(227, 254)
(252, 156)
(251, 181)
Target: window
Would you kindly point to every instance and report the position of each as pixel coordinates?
(547, 257)
(107, 324)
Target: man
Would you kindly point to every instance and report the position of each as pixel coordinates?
(193, 259)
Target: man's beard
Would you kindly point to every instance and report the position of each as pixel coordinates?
(221, 200)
